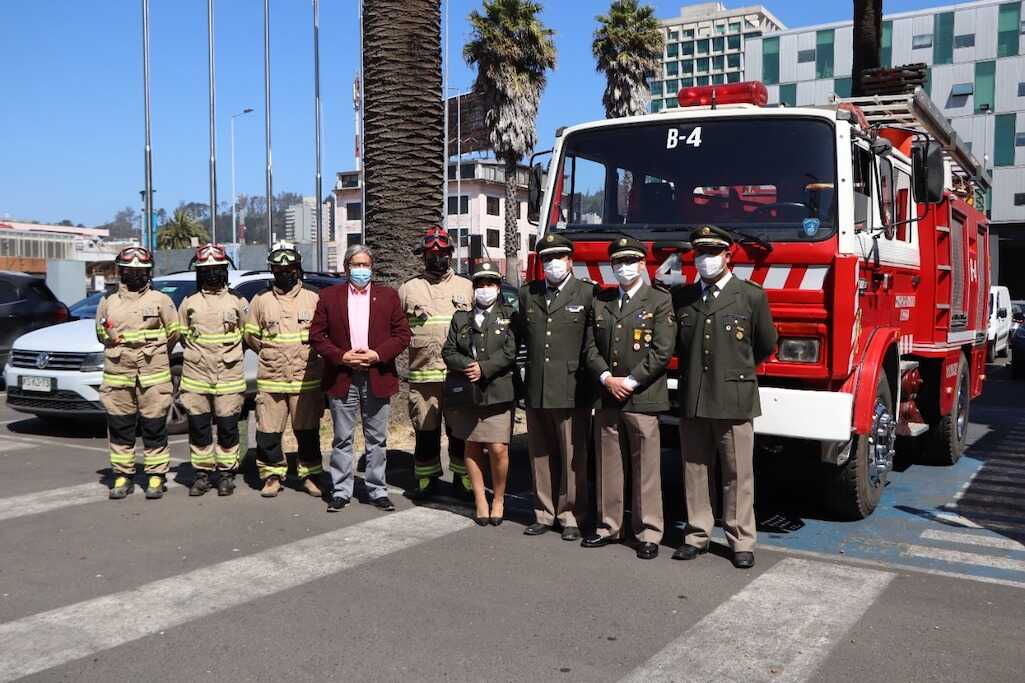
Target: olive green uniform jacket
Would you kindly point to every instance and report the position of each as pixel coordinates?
(492, 346)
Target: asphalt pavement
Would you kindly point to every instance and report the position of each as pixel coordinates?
(930, 588)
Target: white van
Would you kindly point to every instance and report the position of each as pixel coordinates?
(999, 322)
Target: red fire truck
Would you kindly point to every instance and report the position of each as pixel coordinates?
(857, 217)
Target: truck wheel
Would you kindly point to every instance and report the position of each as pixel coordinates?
(177, 419)
(946, 437)
(852, 490)
(991, 351)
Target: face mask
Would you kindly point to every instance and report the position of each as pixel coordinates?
(709, 266)
(436, 262)
(135, 279)
(211, 279)
(285, 280)
(359, 276)
(485, 296)
(626, 273)
(556, 270)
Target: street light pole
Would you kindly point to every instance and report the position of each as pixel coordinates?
(316, 107)
(266, 121)
(212, 83)
(234, 195)
(148, 238)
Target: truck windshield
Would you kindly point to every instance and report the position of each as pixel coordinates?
(770, 177)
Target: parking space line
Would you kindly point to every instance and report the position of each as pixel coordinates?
(961, 557)
(972, 539)
(782, 626)
(40, 442)
(48, 639)
(44, 501)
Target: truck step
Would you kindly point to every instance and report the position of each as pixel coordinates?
(912, 429)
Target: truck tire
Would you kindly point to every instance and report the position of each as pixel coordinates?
(945, 440)
(852, 490)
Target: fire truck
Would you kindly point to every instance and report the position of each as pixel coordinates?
(859, 218)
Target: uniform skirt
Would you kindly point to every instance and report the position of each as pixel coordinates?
(482, 424)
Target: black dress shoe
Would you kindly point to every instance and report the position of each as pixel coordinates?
(337, 504)
(383, 503)
(596, 541)
(482, 521)
(495, 521)
(536, 529)
(688, 552)
(647, 551)
(571, 533)
(743, 560)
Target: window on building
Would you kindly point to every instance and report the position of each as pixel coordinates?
(672, 87)
(752, 34)
(732, 42)
(672, 49)
(701, 65)
(687, 49)
(733, 77)
(943, 42)
(670, 103)
(718, 79)
(842, 87)
(702, 47)
(720, 29)
(1019, 139)
(824, 53)
(788, 94)
(770, 61)
(687, 66)
(353, 238)
(701, 80)
(805, 56)
(734, 27)
(1003, 140)
(985, 83)
(494, 236)
(493, 206)
(672, 68)
(1021, 89)
(686, 82)
(966, 40)
(463, 204)
(962, 89)
(718, 45)
(886, 45)
(921, 41)
(354, 211)
(656, 87)
(1009, 25)
(718, 62)
(656, 106)
(688, 34)
(1019, 198)
(733, 60)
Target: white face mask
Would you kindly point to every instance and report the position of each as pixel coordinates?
(710, 267)
(626, 273)
(556, 270)
(485, 296)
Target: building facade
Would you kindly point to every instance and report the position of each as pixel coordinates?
(301, 221)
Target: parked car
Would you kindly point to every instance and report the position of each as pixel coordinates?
(26, 304)
(999, 330)
(56, 373)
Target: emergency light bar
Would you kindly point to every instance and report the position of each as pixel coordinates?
(747, 92)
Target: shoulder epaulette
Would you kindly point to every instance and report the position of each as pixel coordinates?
(753, 284)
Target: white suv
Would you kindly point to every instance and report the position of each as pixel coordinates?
(56, 372)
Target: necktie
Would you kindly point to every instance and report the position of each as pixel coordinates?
(553, 292)
(710, 294)
(623, 301)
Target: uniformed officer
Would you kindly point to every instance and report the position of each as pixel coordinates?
(552, 320)
(213, 381)
(288, 377)
(631, 342)
(429, 300)
(725, 331)
(137, 326)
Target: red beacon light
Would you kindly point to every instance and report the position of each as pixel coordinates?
(747, 92)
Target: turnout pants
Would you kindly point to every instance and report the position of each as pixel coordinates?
(730, 443)
(558, 441)
(204, 411)
(128, 406)
(274, 412)
(635, 434)
(426, 403)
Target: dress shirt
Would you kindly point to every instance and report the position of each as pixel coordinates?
(719, 284)
(359, 317)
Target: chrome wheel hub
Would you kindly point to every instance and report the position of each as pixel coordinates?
(882, 438)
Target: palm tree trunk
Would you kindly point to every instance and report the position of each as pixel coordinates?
(868, 36)
(512, 228)
(404, 137)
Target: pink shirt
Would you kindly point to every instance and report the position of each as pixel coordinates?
(359, 318)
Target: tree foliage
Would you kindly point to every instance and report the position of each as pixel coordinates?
(627, 46)
(178, 232)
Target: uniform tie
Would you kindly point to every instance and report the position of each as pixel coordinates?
(710, 293)
(623, 301)
(553, 293)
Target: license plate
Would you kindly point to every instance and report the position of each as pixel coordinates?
(44, 384)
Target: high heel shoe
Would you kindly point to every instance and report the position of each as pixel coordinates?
(481, 521)
(495, 521)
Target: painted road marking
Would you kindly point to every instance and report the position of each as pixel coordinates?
(985, 512)
(44, 501)
(960, 557)
(8, 445)
(40, 442)
(995, 489)
(972, 539)
(979, 498)
(781, 627)
(43, 641)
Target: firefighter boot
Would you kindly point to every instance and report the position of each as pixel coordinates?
(226, 485)
(155, 487)
(461, 485)
(425, 488)
(310, 487)
(200, 485)
(271, 487)
(123, 486)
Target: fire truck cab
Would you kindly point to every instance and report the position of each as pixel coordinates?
(857, 217)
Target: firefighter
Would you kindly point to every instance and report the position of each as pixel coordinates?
(213, 380)
(288, 378)
(429, 300)
(137, 326)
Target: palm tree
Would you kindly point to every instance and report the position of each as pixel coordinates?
(403, 126)
(178, 232)
(868, 38)
(628, 47)
(512, 50)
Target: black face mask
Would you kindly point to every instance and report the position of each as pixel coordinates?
(285, 280)
(211, 279)
(436, 262)
(135, 279)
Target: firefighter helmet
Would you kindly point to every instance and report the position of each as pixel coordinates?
(134, 257)
(435, 239)
(284, 254)
(210, 254)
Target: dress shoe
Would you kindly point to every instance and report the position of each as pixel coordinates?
(271, 487)
(383, 503)
(337, 504)
(688, 552)
(482, 521)
(570, 533)
(310, 487)
(647, 551)
(496, 521)
(743, 560)
(536, 529)
(596, 541)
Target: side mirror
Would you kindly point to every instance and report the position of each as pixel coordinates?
(1002, 313)
(927, 163)
(534, 182)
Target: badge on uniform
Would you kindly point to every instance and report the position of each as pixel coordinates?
(575, 308)
(637, 346)
(305, 316)
(740, 333)
(647, 338)
(637, 336)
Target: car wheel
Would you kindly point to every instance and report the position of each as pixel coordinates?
(177, 418)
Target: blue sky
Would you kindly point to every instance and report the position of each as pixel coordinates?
(71, 117)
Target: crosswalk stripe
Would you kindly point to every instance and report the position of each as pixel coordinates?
(977, 497)
(779, 628)
(957, 520)
(44, 501)
(994, 489)
(43, 641)
(972, 539)
(961, 557)
(987, 512)
(1001, 467)
(998, 478)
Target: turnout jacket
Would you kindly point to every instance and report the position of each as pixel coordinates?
(429, 307)
(136, 329)
(278, 329)
(637, 341)
(211, 326)
(719, 345)
(555, 340)
(492, 345)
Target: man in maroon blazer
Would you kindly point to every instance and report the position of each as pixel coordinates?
(359, 328)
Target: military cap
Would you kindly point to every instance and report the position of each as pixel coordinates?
(710, 236)
(486, 270)
(553, 244)
(626, 247)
